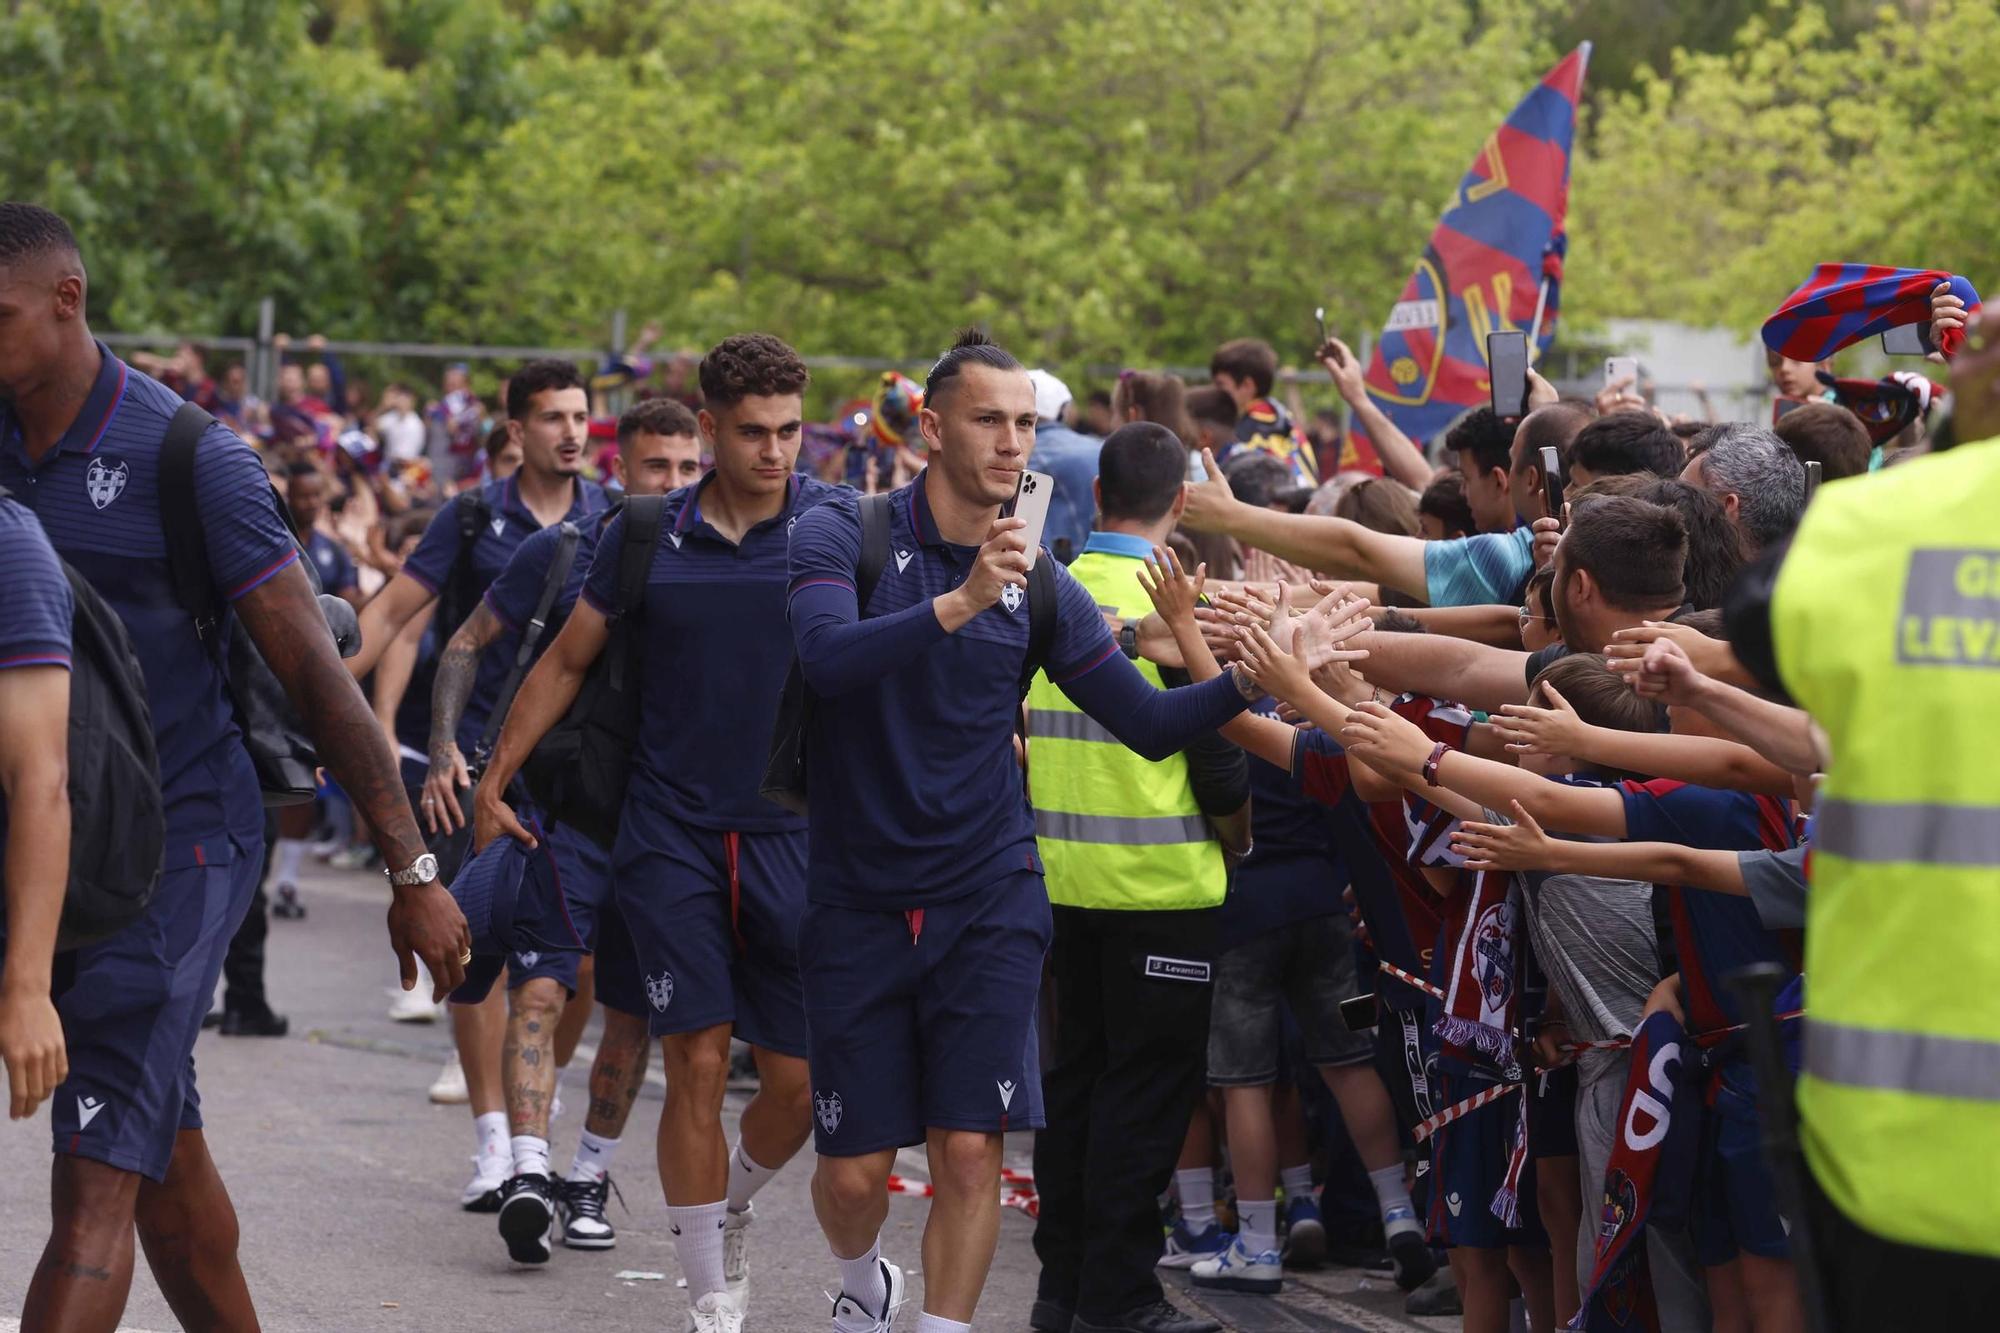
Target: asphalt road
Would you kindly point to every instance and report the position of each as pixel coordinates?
(346, 1183)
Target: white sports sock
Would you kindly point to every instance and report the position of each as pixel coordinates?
(1393, 1196)
(555, 1093)
(698, 1241)
(531, 1155)
(593, 1157)
(291, 854)
(745, 1178)
(937, 1323)
(491, 1131)
(862, 1280)
(1257, 1220)
(1297, 1181)
(1197, 1191)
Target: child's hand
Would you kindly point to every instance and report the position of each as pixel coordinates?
(1518, 846)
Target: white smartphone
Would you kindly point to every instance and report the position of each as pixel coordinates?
(1622, 368)
(1031, 502)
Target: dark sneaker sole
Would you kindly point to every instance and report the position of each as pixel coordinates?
(1254, 1286)
(524, 1225)
(488, 1202)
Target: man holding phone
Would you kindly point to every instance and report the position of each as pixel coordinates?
(926, 921)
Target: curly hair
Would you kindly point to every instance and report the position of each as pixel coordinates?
(539, 376)
(751, 365)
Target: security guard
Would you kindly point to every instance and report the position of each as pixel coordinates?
(1885, 620)
(1133, 855)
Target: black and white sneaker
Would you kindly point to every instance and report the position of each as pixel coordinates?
(528, 1218)
(582, 1204)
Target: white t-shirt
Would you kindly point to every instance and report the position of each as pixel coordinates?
(402, 435)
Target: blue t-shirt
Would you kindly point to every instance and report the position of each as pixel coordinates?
(916, 796)
(330, 559)
(35, 609)
(510, 522)
(1485, 569)
(1714, 933)
(97, 496)
(1294, 871)
(714, 651)
(1071, 458)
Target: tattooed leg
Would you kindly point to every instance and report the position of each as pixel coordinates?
(528, 1061)
(618, 1072)
(85, 1273)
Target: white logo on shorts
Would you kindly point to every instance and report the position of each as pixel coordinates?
(87, 1109)
(1453, 1202)
(1010, 597)
(104, 479)
(828, 1110)
(660, 990)
(1006, 1094)
(528, 959)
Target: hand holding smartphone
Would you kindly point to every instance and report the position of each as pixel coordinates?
(1507, 371)
(1552, 482)
(1031, 503)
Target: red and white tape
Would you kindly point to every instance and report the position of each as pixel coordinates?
(1408, 980)
(1017, 1190)
(1462, 1109)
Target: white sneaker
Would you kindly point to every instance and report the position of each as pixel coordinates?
(413, 1006)
(450, 1089)
(736, 1255)
(489, 1172)
(1237, 1269)
(714, 1313)
(849, 1316)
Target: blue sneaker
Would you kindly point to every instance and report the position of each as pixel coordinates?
(1237, 1269)
(1185, 1248)
(1305, 1233)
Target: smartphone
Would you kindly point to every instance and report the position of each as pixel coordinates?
(1784, 405)
(1618, 368)
(1319, 318)
(1552, 482)
(1812, 478)
(1507, 368)
(1197, 472)
(1031, 502)
(1908, 340)
(1359, 1012)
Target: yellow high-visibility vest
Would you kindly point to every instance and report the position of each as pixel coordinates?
(1886, 617)
(1115, 830)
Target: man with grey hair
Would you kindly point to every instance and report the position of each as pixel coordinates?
(1758, 479)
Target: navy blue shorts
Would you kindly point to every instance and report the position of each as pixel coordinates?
(131, 1009)
(1735, 1203)
(1552, 1112)
(617, 973)
(925, 1019)
(568, 908)
(1469, 1159)
(714, 920)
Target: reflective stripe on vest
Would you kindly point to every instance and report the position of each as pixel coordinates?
(1961, 1067)
(1115, 830)
(1918, 832)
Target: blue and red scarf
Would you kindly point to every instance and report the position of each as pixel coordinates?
(1841, 304)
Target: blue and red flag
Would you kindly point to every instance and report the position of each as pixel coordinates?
(1841, 304)
(1496, 254)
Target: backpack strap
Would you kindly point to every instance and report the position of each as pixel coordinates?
(1043, 596)
(874, 511)
(643, 521)
(531, 635)
(180, 521)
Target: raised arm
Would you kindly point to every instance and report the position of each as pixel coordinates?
(1706, 761)
(1401, 458)
(1782, 735)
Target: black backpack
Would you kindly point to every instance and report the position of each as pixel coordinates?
(784, 781)
(577, 774)
(118, 826)
(278, 742)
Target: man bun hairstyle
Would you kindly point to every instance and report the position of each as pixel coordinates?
(656, 416)
(751, 365)
(972, 347)
(1247, 359)
(1140, 471)
(29, 231)
(539, 376)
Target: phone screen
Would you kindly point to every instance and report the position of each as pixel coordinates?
(1552, 482)
(1359, 1012)
(1031, 502)
(1507, 367)
(1908, 340)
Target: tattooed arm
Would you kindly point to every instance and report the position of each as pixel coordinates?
(285, 621)
(457, 669)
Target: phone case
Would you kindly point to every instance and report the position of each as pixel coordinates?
(1031, 502)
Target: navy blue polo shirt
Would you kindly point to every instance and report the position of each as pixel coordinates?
(510, 522)
(97, 496)
(518, 591)
(714, 650)
(35, 608)
(330, 559)
(916, 795)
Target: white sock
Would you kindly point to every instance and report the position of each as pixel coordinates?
(937, 1323)
(1197, 1191)
(593, 1157)
(291, 854)
(1393, 1196)
(531, 1155)
(1257, 1223)
(862, 1280)
(698, 1241)
(491, 1131)
(1297, 1181)
(745, 1178)
(555, 1093)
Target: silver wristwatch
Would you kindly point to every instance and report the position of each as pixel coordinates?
(423, 870)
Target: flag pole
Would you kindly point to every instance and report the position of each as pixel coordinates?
(1535, 334)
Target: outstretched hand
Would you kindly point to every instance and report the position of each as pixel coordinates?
(1556, 730)
(1521, 845)
(1385, 739)
(1173, 592)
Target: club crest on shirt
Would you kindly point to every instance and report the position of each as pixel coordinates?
(827, 1108)
(1010, 596)
(660, 990)
(104, 479)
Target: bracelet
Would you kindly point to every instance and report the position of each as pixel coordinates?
(1438, 753)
